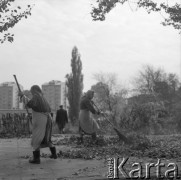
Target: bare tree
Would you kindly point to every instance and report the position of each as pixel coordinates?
(147, 78)
(109, 95)
(155, 85)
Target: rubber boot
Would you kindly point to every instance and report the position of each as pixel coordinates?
(54, 154)
(94, 137)
(36, 158)
(81, 139)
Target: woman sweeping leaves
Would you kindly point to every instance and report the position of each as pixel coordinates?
(41, 123)
(87, 125)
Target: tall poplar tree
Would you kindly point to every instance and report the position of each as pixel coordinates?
(74, 84)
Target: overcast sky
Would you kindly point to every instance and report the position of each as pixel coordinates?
(41, 51)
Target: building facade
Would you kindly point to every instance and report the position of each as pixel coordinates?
(55, 93)
(9, 96)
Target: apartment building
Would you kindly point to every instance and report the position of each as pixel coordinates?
(55, 93)
(9, 96)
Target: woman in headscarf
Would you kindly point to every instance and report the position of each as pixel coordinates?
(41, 123)
(87, 125)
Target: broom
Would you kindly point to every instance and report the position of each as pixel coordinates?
(120, 135)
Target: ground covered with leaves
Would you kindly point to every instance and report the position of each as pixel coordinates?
(154, 147)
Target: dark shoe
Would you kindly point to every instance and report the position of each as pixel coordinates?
(81, 139)
(94, 137)
(36, 158)
(54, 154)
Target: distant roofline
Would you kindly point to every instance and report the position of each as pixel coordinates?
(53, 82)
(11, 83)
(7, 83)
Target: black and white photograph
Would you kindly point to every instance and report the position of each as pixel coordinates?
(90, 89)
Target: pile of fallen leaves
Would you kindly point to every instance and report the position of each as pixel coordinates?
(165, 147)
(88, 142)
(8, 135)
(110, 146)
(141, 146)
(104, 147)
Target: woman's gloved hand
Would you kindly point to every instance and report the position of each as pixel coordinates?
(99, 112)
(20, 94)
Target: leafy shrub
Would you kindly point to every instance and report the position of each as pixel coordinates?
(142, 118)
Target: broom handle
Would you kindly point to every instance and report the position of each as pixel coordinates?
(20, 91)
(121, 136)
(17, 83)
(103, 114)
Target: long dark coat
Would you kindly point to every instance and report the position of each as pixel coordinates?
(61, 118)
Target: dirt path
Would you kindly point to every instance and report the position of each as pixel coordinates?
(12, 166)
(14, 154)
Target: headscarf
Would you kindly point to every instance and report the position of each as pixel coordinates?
(89, 93)
(38, 103)
(36, 89)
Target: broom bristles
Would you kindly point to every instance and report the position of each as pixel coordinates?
(121, 136)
